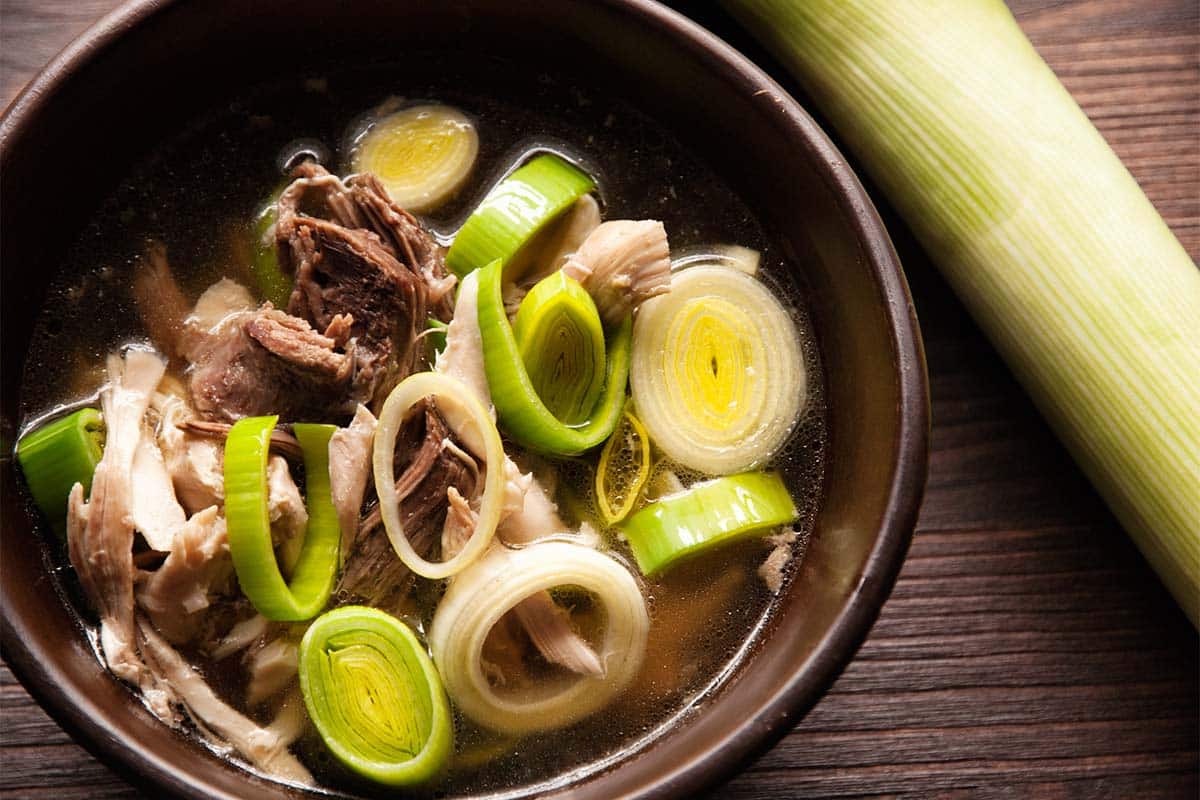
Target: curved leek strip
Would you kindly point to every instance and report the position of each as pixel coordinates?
(734, 256)
(623, 469)
(472, 423)
(717, 372)
(250, 526)
(525, 417)
(515, 210)
(706, 515)
(375, 697)
(59, 455)
(421, 154)
(272, 284)
(561, 341)
(480, 596)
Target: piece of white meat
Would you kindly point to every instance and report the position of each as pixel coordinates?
(265, 747)
(349, 471)
(100, 531)
(154, 510)
(177, 593)
(622, 263)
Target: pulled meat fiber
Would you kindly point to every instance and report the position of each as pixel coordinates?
(100, 531)
(367, 260)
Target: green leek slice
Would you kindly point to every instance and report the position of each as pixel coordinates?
(706, 515)
(272, 284)
(375, 697)
(472, 425)
(250, 526)
(515, 210)
(59, 455)
(717, 372)
(561, 341)
(623, 470)
(421, 154)
(523, 414)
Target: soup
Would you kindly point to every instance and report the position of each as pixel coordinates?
(527, 599)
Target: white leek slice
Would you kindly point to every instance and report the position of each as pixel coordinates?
(734, 256)
(473, 426)
(481, 595)
(716, 372)
(422, 154)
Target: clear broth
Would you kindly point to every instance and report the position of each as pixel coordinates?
(198, 194)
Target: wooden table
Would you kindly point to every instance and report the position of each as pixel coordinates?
(1027, 651)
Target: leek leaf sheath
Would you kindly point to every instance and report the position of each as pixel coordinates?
(1037, 225)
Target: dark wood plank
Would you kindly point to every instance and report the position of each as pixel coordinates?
(1027, 650)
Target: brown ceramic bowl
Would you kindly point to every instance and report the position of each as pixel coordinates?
(141, 72)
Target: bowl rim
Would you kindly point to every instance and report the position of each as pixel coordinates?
(775, 717)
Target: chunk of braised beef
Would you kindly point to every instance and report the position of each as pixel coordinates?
(269, 362)
(426, 469)
(354, 252)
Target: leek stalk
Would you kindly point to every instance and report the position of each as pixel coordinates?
(1040, 229)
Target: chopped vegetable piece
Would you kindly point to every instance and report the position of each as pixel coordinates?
(1040, 229)
(481, 595)
(472, 424)
(706, 515)
(717, 372)
(421, 154)
(623, 470)
(561, 342)
(523, 414)
(374, 696)
(272, 284)
(515, 210)
(250, 526)
(734, 256)
(58, 455)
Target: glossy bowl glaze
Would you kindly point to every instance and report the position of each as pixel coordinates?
(140, 73)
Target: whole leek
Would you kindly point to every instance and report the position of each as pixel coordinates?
(1041, 231)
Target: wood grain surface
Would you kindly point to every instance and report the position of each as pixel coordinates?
(1027, 651)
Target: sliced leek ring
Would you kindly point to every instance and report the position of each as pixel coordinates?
(421, 154)
(717, 373)
(523, 414)
(58, 455)
(623, 470)
(706, 515)
(375, 697)
(250, 526)
(561, 342)
(482, 594)
(473, 425)
(515, 210)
